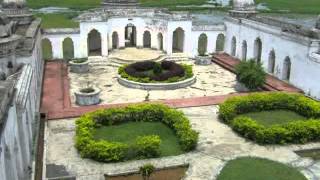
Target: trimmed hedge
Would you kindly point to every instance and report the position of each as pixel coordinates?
(152, 72)
(301, 131)
(105, 151)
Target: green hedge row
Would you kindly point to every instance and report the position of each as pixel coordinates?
(187, 68)
(295, 132)
(114, 151)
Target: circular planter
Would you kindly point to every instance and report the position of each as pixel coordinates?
(203, 60)
(157, 86)
(85, 99)
(79, 67)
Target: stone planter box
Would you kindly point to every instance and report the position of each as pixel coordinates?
(85, 99)
(79, 67)
(157, 86)
(203, 60)
(241, 87)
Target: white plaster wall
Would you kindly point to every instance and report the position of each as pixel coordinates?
(211, 37)
(187, 27)
(303, 70)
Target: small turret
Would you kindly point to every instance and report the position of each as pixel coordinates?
(243, 8)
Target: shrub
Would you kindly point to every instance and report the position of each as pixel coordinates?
(294, 132)
(251, 74)
(146, 170)
(87, 90)
(150, 72)
(146, 146)
(78, 61)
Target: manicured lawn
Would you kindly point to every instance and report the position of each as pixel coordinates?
(168, 3)
(73, 4)
(128, 132)
(249, 168)
(61, 20)
(294, 6)
(269, 118)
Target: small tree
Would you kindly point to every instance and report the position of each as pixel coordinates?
(251, 74)
(146, 171)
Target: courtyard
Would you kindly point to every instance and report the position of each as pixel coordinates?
(217, 145)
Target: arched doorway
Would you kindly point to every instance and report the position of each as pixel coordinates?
(220, 43)
(202, 44)
(68, 48)
(233, 46)
(286, 70)
(160, 41)
(257, 49)
(244, 50)
(94, 43)
(130, 35)
(146, 39)
(178, 40)
(115, 40)
(271, 62)
(46, 49)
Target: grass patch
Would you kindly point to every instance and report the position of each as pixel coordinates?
(269, 118)
(249, 168)
(128, 132)
(72, 4)
(293, 6)
(58, 20)
(169, 3)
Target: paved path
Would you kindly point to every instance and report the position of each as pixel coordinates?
(272, 83)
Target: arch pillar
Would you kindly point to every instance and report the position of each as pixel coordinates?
(139, 37)
(104, 45)
(154, 40)
(57, 48)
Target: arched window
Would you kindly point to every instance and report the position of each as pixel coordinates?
(286, 70)
(257, 49)
(220, 43)
(272, 62)
(160, 41)
(46, 49)
(94, 43)
(68, 48)
(115, 40)
(202, 44)
(233, 46)
(244, 50)
(146, 39)
(178, 40)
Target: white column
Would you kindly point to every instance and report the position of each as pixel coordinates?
(139, 37)
(104, 44)
(169, 43)
(57, 48)
(154, 40)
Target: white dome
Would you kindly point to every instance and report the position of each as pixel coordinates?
(244, 5)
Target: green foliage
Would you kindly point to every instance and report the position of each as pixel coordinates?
(253, 168)
(115, 151)
(148, 146)
(146, 170)
(81, 60)
(187, 68)
(157, 69)
(251, 74)
(298, 131)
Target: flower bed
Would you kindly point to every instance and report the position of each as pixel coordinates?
(153, 72)
(298, 131)
(147, 146)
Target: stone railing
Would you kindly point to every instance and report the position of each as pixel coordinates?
(9, 44)
(15, 11)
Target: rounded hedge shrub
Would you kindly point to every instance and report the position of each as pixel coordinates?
(251, 74)
(151, 72)
(300, 131)
(146, 146)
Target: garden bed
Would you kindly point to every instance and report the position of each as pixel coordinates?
(253, 117)
(91, 127)
(246, 168)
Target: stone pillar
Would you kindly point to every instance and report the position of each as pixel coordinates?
(104, 45)
(169, 43)
(154, 40)
(139, 38)
(121, 37)
(57, 48)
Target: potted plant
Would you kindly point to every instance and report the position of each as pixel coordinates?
(79, 65)
(250, 75)
(88, 95)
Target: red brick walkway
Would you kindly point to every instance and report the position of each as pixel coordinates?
(272, 84)
(56, 98)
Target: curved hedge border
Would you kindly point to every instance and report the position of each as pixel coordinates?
(188, 73)
(106, 151)
(295, 132)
